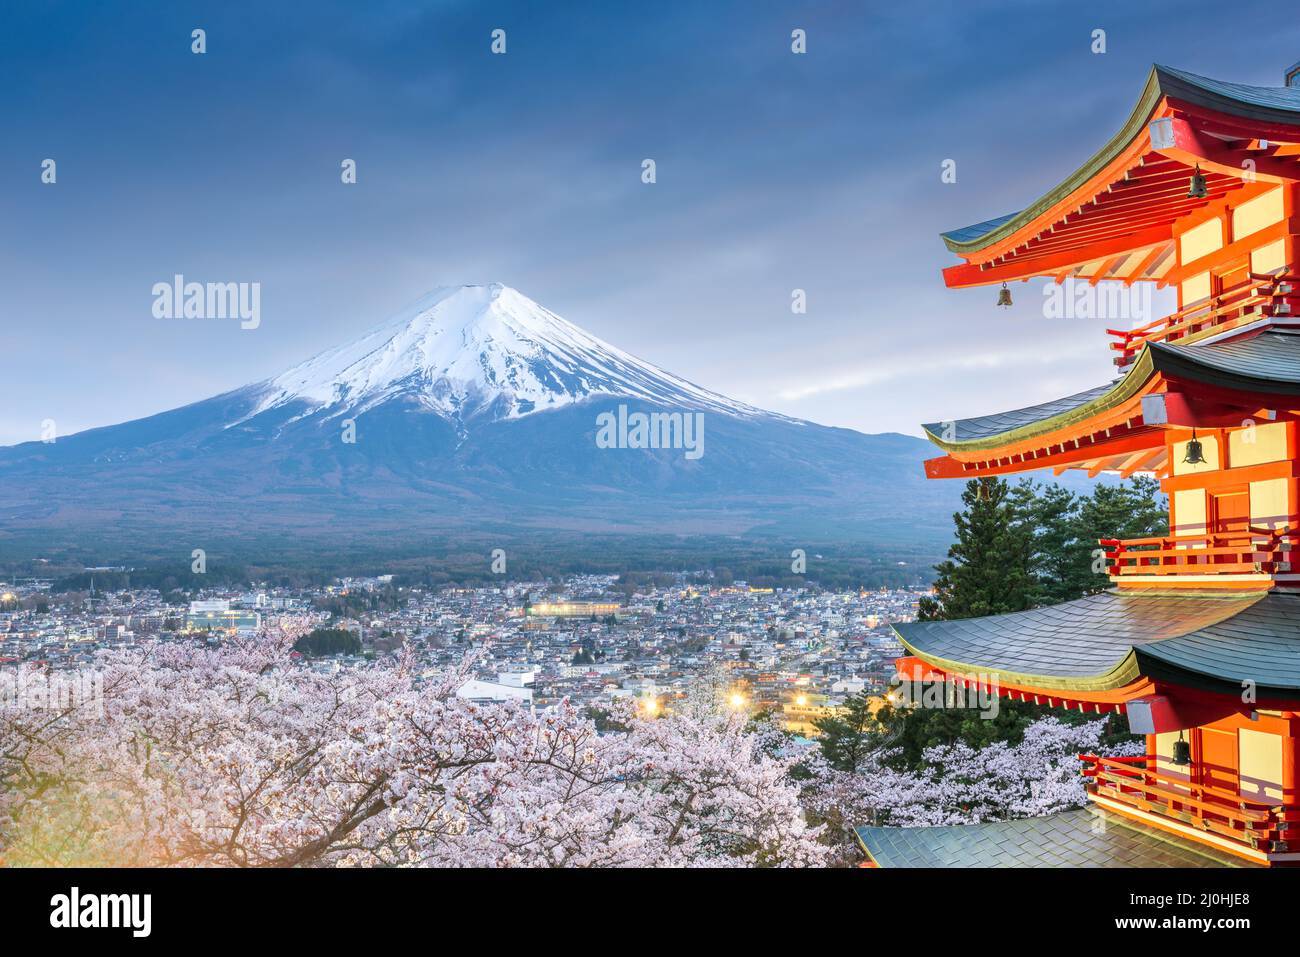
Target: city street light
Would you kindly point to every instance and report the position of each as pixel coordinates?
(737, 700)
(801, 700)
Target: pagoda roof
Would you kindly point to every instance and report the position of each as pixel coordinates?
(977, 231)
(1066, 839)
(1279, 103)
(1059, 231)
(1267, 362)
(1004, 423)
(1106, 641)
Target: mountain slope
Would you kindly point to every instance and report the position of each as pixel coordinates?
(474, 412)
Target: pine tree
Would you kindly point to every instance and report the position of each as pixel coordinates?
(988, 569)
(1131, 510)
(1066, 529)
(849, 735)
(1060, 560)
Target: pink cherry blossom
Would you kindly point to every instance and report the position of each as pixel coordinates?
(234, 756)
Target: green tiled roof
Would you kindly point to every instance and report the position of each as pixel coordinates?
(1280, 103)
(973, 232)
(1107, 641)
(1260, 644)
(1000, 423)
(1081, 838)
(1265, 104)
(1266, 362)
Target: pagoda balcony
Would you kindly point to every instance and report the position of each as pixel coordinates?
(1261, 296)
(1163, 798)
(1262, 553)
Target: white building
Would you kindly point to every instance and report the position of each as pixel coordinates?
(517, 679)
(852, 685)
(495, 692)
(203, 607)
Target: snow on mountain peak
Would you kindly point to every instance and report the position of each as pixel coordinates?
(462, 350)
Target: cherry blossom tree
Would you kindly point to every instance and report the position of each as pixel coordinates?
(235, 756)
(957, 784)
(239, 756)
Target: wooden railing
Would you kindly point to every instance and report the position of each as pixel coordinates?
(1131, 781)
(1261, 294)
(1253, 551)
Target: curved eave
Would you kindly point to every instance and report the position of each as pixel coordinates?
(1158, 667)
(1124, 391)
(1264, 364)
(1259, 105)
(1106, 647)
(1257, 648)
(1199, 364)
(1134, 127)
(1123, 672)
(1134, 675)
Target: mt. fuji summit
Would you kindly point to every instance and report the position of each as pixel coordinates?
(481, 351)
(475, 410)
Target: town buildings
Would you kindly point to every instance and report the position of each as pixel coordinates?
(796, 653)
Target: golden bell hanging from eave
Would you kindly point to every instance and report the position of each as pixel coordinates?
(1196, 188)
(1004, 296)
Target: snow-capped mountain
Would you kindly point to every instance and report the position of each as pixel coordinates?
(468, 351)
(474, 413)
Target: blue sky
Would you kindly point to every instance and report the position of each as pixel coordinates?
(775, 172)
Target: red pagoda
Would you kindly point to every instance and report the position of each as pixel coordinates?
(1198, 642)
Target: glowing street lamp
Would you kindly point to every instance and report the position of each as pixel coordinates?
(801, 700)
(737, 700)
(650, 705)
